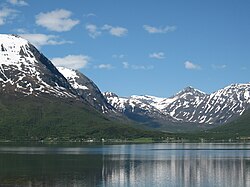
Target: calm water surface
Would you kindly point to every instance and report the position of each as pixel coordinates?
(126, 165)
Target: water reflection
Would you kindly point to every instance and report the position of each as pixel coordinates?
(127, 165)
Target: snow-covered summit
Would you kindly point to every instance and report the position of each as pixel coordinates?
(15, 51)
(23, 69)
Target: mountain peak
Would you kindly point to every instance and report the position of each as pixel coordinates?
(190, 90)
(109, 94)
(24, 70)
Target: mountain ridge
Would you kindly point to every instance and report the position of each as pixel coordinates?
(192, 105)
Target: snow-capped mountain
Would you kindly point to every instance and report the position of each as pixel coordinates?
(189, 105)
(24, 70)
(139, 108)
(86, 89)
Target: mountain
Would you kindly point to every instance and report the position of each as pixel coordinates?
(139, 108)
(24, 70)
(188, 106)
(237, 128)
(38, 103)
(87, 89)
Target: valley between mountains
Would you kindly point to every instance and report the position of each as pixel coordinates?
(40, 101)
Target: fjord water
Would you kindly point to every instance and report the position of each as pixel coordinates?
(126, 165)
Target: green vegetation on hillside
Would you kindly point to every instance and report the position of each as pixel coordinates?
(236, 130)
(33, 118)
(54, 119)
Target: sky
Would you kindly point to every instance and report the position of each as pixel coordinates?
(142, 47)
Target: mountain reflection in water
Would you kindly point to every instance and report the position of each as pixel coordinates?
(127, 165)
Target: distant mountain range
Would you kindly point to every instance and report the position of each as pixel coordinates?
(188, 106)
(39, 100)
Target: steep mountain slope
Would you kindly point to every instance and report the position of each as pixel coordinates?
(37, 102)
(228, 103)
(217, 108)
(86, 89)
(237, 128)
(182, 105)
(24, 70)
(190, 105)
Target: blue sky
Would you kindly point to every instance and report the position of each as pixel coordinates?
(154, 47)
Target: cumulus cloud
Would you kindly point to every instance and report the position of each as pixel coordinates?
(40, 40)
(7, 14)
(159, 55)
(115, 31)
(18, 2)
(159, 30)
(58, 20)
(191, 66)
(125, 65)
(72, 61)
(93, 30)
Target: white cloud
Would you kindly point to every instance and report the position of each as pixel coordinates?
(160, 30)
(214, 66)
(125, 65)
(58, 20)
(72, 61)
(42, 39)
(93, 30)
(121, 56)
(7, 14)
(104, 66)
(191, 66)
(18, 2)
(159, 55)
(115, 31)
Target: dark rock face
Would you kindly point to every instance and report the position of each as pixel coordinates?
(87, 89)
